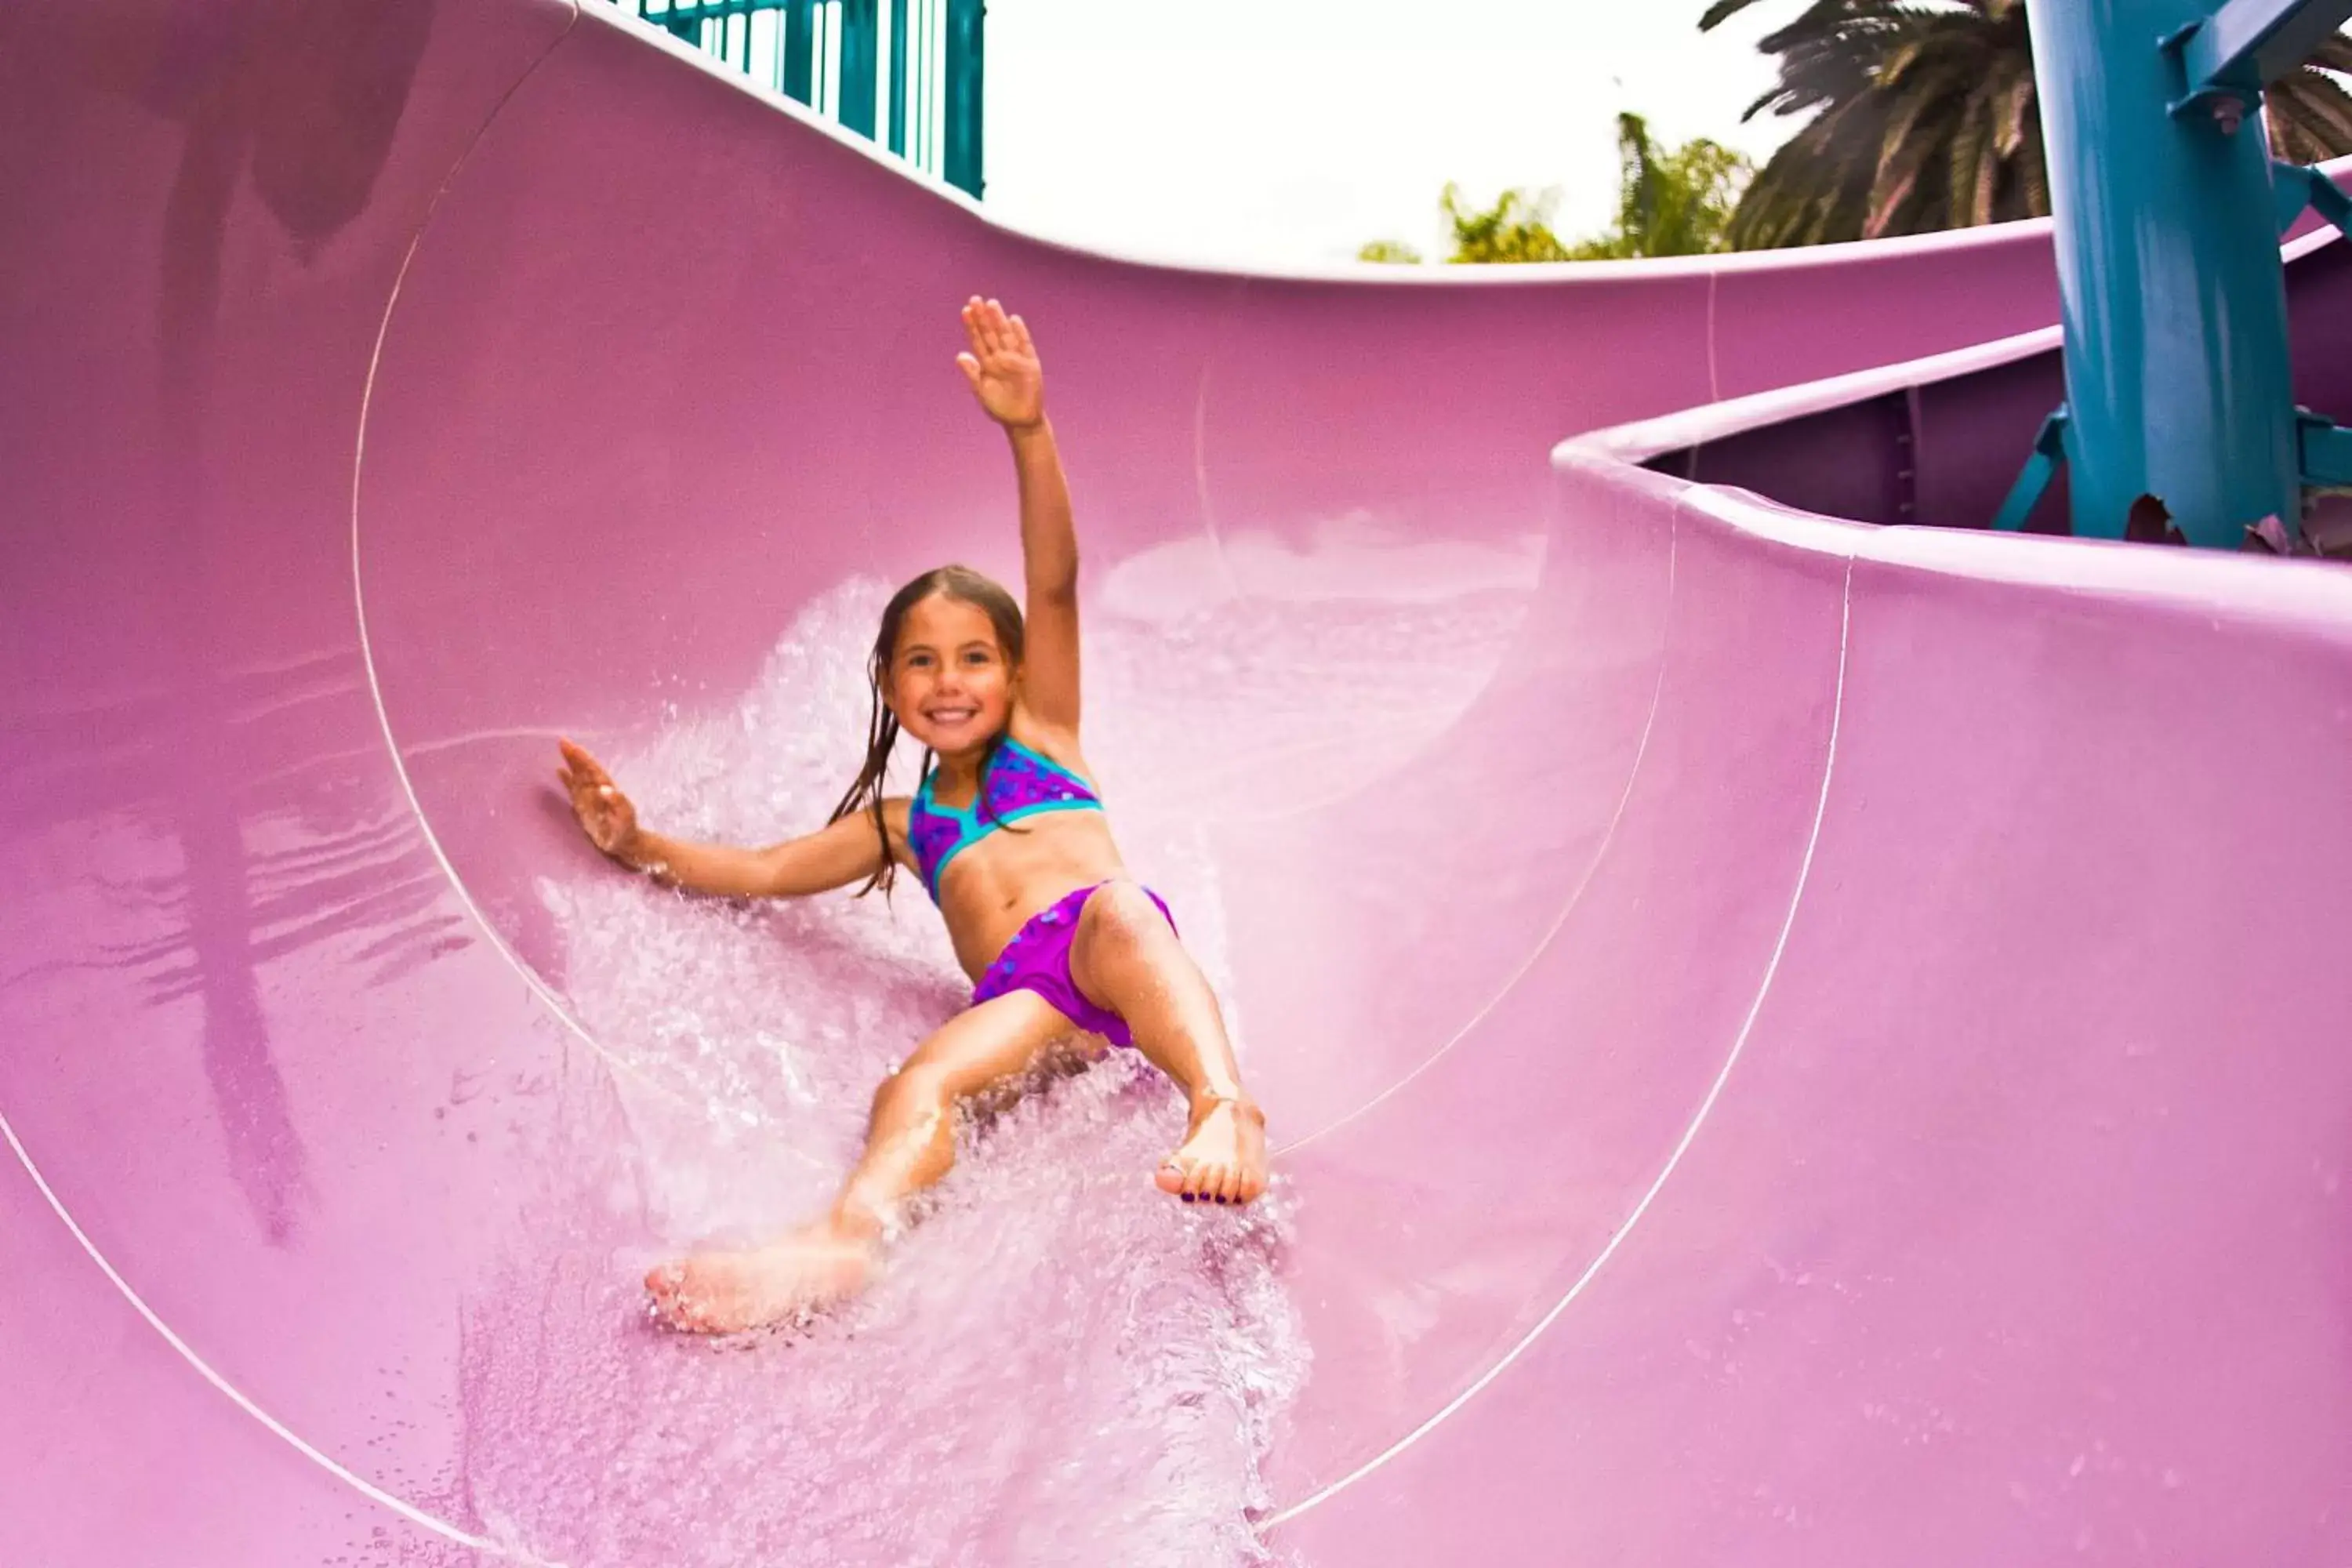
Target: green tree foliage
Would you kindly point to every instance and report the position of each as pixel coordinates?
(1672, 202)
(1676, 202)
(1925, 117)
(1517, 227)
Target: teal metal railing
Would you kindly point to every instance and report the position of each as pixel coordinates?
(851, 60)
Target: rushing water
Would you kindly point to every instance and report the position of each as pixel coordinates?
(1060, 1366)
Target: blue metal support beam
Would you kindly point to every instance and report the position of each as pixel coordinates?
(2247, 45)
(2300, 188)
(2049, 451)
(2177, 392)
(2327, 451)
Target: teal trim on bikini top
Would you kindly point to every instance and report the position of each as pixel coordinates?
(1019, 783)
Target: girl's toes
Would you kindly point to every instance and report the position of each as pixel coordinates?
(1170, 1179)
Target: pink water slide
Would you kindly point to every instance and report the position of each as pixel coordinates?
(1829, 1047)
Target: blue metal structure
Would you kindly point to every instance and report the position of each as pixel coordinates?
(827, 54)
(2168, 208)
(2248, 44)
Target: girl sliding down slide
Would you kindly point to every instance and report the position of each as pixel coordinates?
(1009, 835)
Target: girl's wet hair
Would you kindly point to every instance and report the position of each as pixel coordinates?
(965, 586)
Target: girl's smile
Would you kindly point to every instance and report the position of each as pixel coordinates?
(949, 684)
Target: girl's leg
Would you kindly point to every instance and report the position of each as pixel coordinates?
(909, 1145)
(1126, 958)
(911, 1137)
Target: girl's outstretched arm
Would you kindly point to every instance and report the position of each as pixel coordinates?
(1008, 379)
(833, 856)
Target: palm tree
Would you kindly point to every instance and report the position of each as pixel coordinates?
(1924, 118)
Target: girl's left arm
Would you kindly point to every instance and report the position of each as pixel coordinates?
(1010, 381)
(1049, 552)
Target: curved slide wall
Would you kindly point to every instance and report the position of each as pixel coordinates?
(1825, 1053)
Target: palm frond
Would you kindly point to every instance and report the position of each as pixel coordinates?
(2335, 54)
(1722, 11)
(1973, 166)
(1816, 188)
(1921, 128)
(1923, 117)
(2032, 182)
(2020, 109)
(2310, 117)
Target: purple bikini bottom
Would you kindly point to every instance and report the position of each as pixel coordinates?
(1038, 958)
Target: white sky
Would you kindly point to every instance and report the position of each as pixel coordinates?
(1294, 131)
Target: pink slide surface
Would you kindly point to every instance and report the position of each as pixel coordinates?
(1788, 1042)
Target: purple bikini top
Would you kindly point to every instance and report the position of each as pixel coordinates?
(1016, 782)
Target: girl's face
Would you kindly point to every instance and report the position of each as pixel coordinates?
(949, 684)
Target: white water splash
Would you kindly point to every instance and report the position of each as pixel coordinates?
(1060, 1366)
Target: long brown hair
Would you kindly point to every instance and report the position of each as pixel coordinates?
(965, 586)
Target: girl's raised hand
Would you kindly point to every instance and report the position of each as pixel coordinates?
(1002, 365)
(605, 812)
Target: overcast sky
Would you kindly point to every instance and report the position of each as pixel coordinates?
(1294, 131)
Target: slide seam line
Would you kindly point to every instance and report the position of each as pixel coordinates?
(547, 997)
(1690, 1133)
(1591, 869)
(235, 1394)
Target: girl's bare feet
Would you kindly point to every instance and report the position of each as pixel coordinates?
(728, 1293)
(1223, 1157)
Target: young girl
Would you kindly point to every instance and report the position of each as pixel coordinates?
(1008, 834)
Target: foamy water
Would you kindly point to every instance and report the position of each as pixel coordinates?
(1060, 1365)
